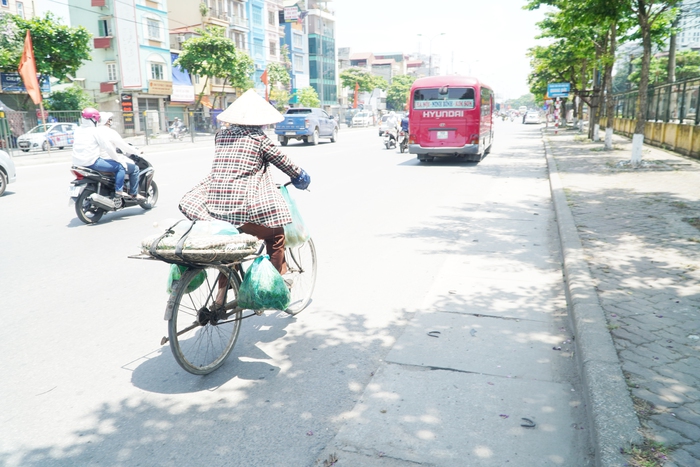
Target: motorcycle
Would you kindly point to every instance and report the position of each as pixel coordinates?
(178, 132)
(93, 193)
(403, 141)
(390, 139)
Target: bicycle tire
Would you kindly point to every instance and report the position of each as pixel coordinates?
(301, 265)
(203, 347)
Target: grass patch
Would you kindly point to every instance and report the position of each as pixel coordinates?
(649, 454)
(680, 205)
(612, 327)
(694, 221)
(581, 139)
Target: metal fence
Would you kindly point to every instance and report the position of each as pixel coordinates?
(145, 128)
(675, 102)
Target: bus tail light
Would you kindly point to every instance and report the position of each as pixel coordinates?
(411, 139)
(474, 139)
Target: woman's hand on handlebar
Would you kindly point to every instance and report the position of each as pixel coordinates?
(301, 181)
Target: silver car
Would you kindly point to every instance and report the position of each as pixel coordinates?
(55, 135)
(8, 174)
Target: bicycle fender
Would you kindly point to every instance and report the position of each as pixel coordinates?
(170, 304)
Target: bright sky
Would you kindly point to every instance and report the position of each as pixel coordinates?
(487, 39)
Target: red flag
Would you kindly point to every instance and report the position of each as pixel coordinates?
(263, 78)
(27, 70)
(357, 88)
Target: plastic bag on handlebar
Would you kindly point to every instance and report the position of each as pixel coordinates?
(263, 287)
(296, 233)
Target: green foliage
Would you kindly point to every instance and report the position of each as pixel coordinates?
(72, 98)
(281, 98)
(351, 76)
(59, 50)
(687, 66)
(213, 55)
(277, 74)
(527, 100)
(397, 94)
(308, 97)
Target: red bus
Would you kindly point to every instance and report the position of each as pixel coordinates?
(450, 116)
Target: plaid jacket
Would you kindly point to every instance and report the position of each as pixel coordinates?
(240, 188)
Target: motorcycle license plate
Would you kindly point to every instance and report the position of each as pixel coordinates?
(74, 191)
(442, 134)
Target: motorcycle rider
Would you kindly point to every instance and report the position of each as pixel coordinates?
(95, 147)
(176, 127)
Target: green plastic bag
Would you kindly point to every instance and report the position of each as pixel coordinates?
(296, 233)
(176, 272)
(263, 287)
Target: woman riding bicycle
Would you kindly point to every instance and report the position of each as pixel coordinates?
(240, 189)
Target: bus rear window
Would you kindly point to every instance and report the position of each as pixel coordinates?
(445, 97)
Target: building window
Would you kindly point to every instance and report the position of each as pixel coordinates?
(257, 16)
(153, 29)
(259, 52)
(298, 63)
(103, 27)
(273, 48)
(297, 42)
(5, 3)
(157, 71)
(20, 10)
(271, 18)
(239, 40)
(111, 71)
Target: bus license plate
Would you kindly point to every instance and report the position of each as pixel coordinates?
(442, 134)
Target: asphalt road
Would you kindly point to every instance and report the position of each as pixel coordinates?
(85, 381)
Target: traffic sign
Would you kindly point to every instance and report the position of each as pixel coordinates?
(558, 89)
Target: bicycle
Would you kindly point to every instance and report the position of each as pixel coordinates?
(201, 333)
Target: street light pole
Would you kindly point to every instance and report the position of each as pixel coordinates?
(430, 57)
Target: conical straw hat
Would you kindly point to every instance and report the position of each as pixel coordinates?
(250, 109)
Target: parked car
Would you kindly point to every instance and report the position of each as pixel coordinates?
(307, 124)
(56, 135)
(363, 119)
(8, 174)
(532, 117)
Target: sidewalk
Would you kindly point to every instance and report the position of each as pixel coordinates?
(643, 254)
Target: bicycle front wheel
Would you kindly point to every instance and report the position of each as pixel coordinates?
(301, 271)
(201, 334)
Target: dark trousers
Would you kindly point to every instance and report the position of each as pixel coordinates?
(274, 242)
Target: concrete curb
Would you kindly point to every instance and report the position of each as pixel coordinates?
(608, 402)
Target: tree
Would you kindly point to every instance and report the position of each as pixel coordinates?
(687, 66)
(277, 74)
(280, 98)
(397, 93)
(653, 18)
(59, 50)
(213, 55)
(367, 82)
(308, 97)
(72, 98)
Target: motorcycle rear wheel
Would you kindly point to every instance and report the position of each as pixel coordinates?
(85, 210)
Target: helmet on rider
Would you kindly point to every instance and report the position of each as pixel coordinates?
(92, 114)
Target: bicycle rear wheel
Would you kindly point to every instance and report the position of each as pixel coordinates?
(201, 335)
(301, 270)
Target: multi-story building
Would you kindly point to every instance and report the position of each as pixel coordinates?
(323, 69)
(24, 9)
(131, 60)
(689, 24)
(293, 19)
